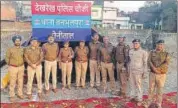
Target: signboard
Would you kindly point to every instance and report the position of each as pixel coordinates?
(65, 20)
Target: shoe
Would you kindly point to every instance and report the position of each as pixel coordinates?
(113, 92)
(145, 104)
(123, 95)
(12, 99)
(46, 91)
(159, 105)
(55, 90)
(133, 100)
(83, 87)
(40, 96)
(20, 96)
(77, 87)
(92, 86)
(69, 87)
(29, 96)
(119, 93)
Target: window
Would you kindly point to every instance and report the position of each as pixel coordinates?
(139, 27)
(94, 13)
(118, 26)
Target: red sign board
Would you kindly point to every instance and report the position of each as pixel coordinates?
(61, 8)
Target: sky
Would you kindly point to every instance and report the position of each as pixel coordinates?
(129, 5)
(126, 5)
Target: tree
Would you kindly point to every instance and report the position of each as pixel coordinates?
(169, 16)
(152, 13)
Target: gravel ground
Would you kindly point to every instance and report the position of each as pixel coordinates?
(170, 86)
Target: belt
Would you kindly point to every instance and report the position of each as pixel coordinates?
(106, 62)
(66, 61)
(82, 61)
(120, 62)
(93, 59)
(15, 65)
(50, 60)
(157, 73)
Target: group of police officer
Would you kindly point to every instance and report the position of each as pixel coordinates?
(131, 65)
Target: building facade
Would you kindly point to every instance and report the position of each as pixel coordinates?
(96, 15)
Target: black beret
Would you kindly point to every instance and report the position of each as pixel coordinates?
(136, 40)
(34, 38)
(16, 37)
(160, 41)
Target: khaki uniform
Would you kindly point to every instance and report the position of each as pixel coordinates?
(137, 67)
(34, 56)
(122, 58)
(15, 60)
(50, 55)
(106, 58)
(66, 64)
(93, 63)
(160, 60)
(81, 64)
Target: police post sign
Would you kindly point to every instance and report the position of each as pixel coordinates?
(64, 20)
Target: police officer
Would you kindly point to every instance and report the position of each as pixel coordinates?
(158, 62)
(51, 51)
(15, 61)
(122, 58)
(81, 63)
(94, 62)
(34, 56)
(65, 60)
(106, 61)
(137, 70)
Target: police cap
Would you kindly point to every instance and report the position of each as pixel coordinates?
(136, 40)
(160, 41)
(34, 38)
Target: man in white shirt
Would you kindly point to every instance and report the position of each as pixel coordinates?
(137, 69)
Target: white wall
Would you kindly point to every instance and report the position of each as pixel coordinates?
(123, 21)
(96, 13)
(109, 13)
(110, 4)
